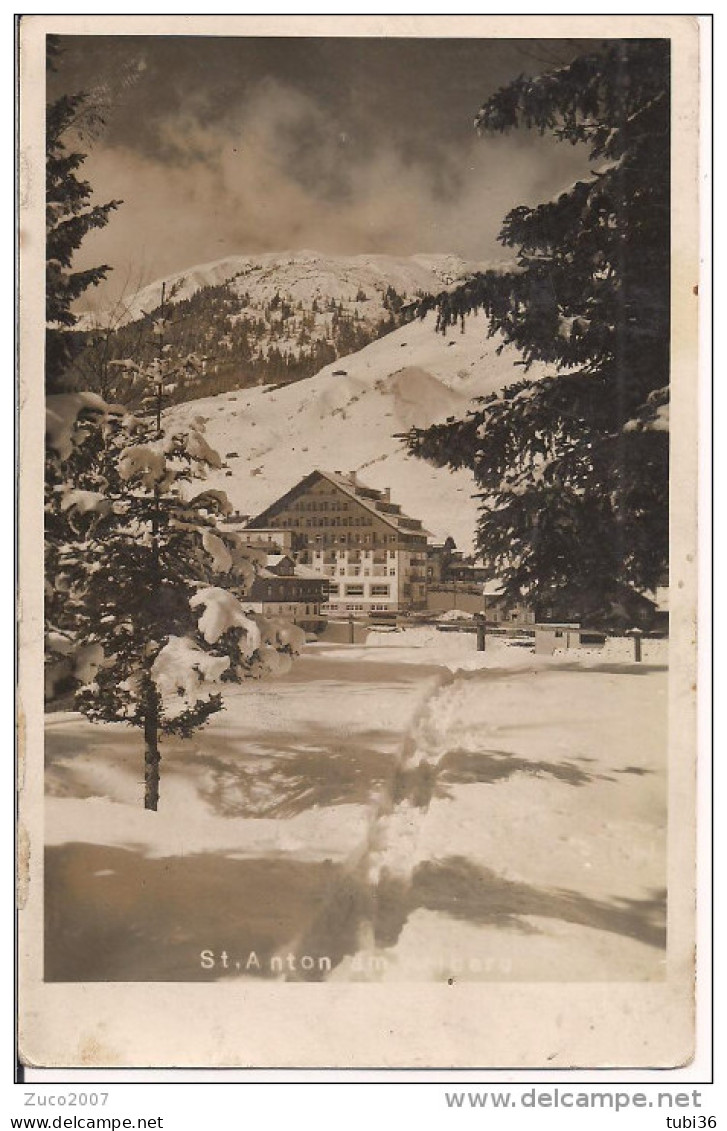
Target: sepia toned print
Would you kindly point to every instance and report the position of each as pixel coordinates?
(369, 588)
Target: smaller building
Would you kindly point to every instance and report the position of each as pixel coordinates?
(466, 570)
(553, 636)
(439, 559)
(295, 592)
(502, 613)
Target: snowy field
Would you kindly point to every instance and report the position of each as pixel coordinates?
(408, 809)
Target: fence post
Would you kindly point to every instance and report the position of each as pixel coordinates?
(637, 634)
(481, 627)
(350, 628)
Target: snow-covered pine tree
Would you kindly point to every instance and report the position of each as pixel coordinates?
(69, 218)
(141, 579)
(572, 470)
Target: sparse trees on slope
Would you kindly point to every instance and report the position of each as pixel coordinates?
(573, 469)
(140, 577)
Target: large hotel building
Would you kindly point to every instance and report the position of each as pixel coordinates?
(374, 556)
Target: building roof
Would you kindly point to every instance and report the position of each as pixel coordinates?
(309, 573)
(368, 497)
(273, 562)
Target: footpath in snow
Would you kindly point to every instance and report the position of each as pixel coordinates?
(409, 809)
(526, 839)
(263, 816)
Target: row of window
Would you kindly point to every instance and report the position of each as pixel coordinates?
(355, 539)
(325, 520)
(358, 590)
(292, 593)
(318, 505)
(347, 607)
(364, 553)
(291, 608)
(356, 571)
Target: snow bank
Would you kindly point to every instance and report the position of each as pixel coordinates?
(455, 615)
(620, 649)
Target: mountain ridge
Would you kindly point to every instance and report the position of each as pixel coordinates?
(409, 273)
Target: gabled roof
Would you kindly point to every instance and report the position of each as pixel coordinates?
(273, 560)
(397, 522)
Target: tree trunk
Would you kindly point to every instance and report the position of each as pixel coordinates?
(152, 758)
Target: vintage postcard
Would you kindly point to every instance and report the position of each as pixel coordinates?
(358, 551)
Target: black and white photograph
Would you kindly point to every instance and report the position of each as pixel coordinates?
(368, 595)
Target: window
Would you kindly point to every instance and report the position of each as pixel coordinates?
(392, 553)
(392, 573)
(354, 590)
(379, 590)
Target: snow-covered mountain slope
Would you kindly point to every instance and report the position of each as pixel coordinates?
(276, 317)
(305, 276)
(345, 419)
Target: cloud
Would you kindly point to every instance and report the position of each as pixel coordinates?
(283, 170)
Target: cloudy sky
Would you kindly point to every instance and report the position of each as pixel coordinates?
(220, 146)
